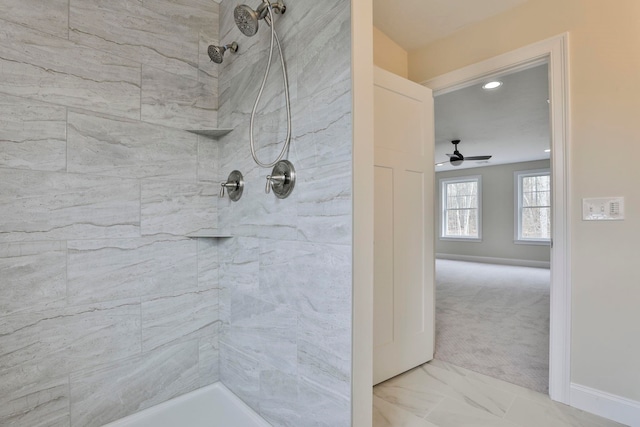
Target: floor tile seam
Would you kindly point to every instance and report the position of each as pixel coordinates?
(513, 401)
(464, 398)
(430, 411)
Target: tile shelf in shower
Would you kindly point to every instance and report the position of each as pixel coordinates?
(210, 133)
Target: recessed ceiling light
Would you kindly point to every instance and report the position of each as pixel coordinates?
(492, 85)
(439, 164)
(548, 150)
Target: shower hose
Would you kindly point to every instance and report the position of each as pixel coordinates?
(287, 142)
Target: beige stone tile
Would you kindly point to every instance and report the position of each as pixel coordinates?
(386, 414)
(454, 413)
(529, 413)
(410, 391)
(481, 396)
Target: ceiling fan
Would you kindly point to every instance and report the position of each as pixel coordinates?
(457, 158)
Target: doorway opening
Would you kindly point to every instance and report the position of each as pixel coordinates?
(493, 226)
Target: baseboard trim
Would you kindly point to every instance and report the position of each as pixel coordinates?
(492, 260)
(607, 405)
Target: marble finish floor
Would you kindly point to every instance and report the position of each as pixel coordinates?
(438, 394)
(494, 319)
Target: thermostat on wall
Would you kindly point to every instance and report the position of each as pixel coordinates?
(603, 209)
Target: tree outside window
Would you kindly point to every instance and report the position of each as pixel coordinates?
(533, 206)
(461, 208)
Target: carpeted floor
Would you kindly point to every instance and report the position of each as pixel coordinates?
(494, 319)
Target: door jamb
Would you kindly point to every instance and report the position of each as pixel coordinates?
(554, 51)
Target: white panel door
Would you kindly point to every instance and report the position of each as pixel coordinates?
(403, 327)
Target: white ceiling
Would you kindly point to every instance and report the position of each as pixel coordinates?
(510, 123)
(415, 23)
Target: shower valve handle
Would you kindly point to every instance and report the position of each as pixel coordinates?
(229, 184)
(274, 179)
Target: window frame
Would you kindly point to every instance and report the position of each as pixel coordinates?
(518, 178)
(443, 207)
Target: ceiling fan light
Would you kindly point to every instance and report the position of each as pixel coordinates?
(492, 85)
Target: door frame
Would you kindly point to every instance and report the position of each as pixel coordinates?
(554, 52)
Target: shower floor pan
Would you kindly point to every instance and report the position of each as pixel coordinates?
(211, 406)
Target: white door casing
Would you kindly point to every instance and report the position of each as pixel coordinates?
(404, 299)
(554, 52)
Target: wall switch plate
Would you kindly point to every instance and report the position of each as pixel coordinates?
(603, 209)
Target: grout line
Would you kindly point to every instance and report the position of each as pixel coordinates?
(69, 397)
(430, 411)
(510, 406)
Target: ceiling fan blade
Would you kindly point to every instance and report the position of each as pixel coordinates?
(449, 155)
(478, 157)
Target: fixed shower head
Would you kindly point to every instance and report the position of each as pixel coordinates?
(247, 19)
(217, 52)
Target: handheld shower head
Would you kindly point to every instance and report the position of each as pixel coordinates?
(247, 19)
(217, 52)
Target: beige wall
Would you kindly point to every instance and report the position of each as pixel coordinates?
(604, 39)
(498, 215)
(388, 55)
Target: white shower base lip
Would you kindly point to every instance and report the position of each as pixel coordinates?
(211, 406)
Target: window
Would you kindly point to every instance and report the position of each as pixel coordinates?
(533, 204)
(461, 208)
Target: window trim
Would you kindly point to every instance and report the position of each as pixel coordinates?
(443, 183)
(518, 175)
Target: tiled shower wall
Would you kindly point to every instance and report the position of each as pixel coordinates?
(106, 307)
(285, 304)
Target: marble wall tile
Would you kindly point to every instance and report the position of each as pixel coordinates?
(32, 134)
(144, 34)
(209, 82)
(323, 129)
(279, 398)
(33, 276)
(104, 270)
(209, 358)
(129, 149)
(178, 208)
(178, 101)
(304, 251)
(36, 65)
(47, 407)
(41, 345)
(320, 407)
(240, 374)
(191, 13)
(208, 265)
(52, 20)
(208, 159)
(51, 205)
(316, 284)
(329, 33)
(178, 317)
(239, 265)
(324, 209)
(324, 354)
(119, 389)
(263, 331)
